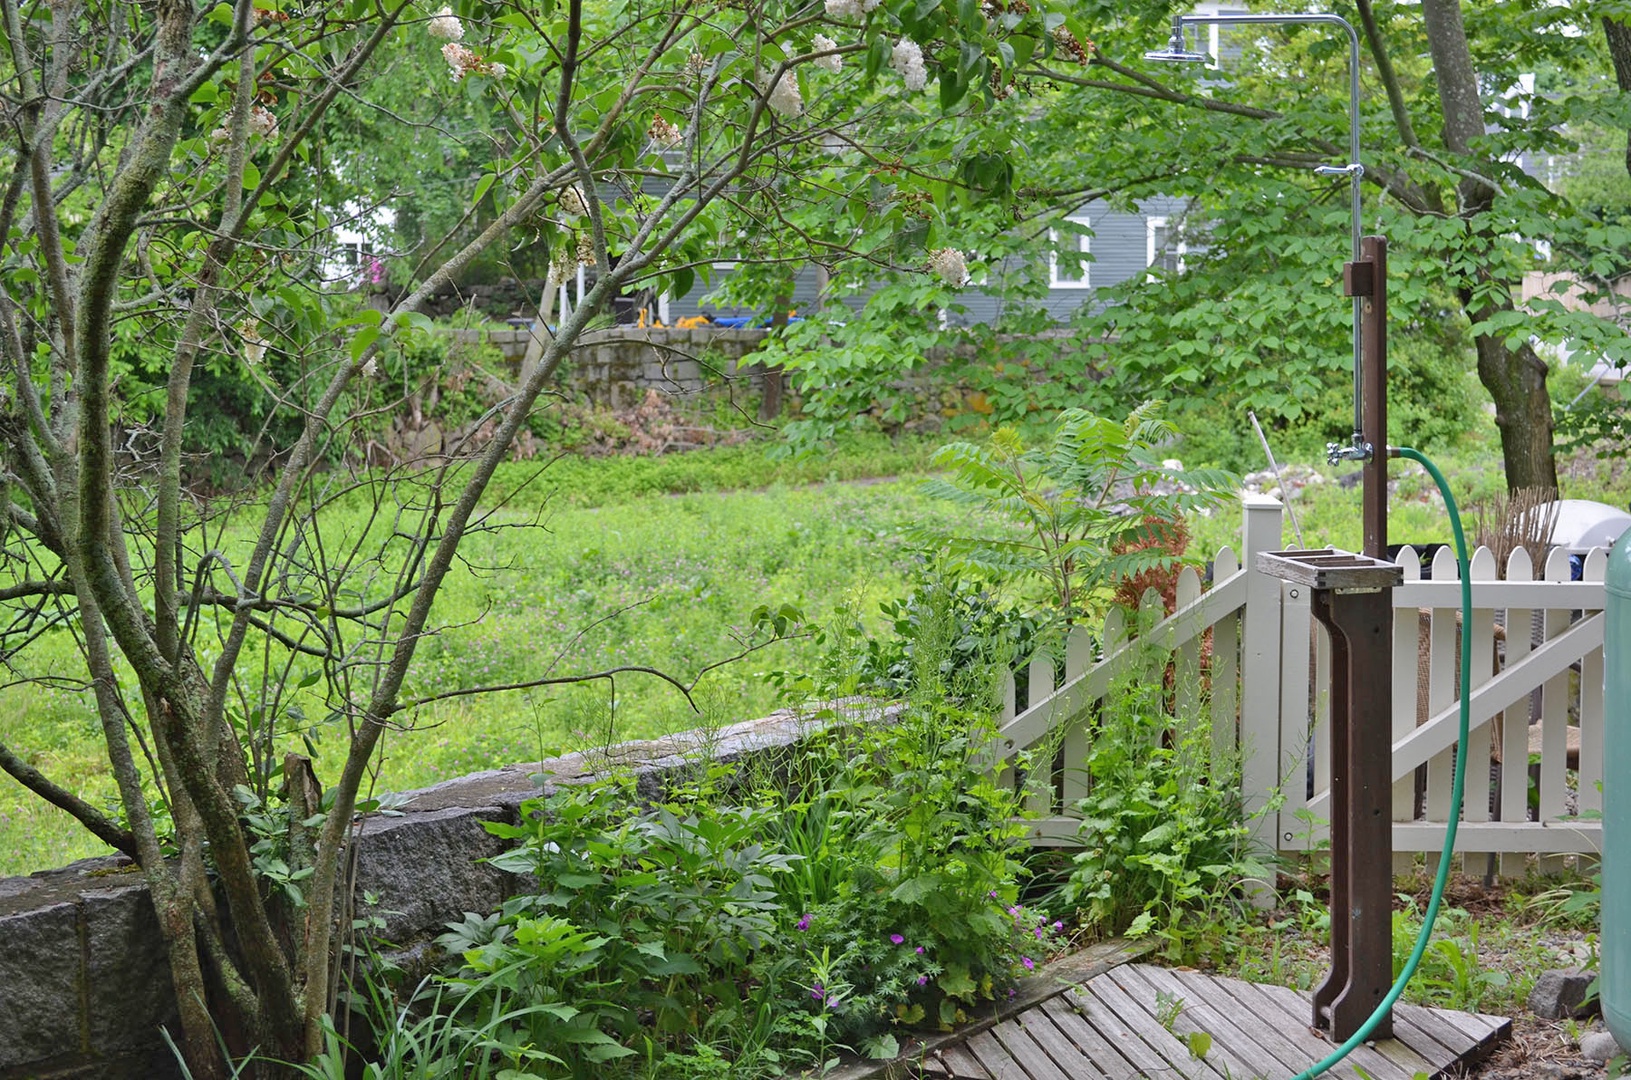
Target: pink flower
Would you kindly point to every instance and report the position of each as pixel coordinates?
(922, 980)
(920, 950)
(896, 939)
(1030, 965)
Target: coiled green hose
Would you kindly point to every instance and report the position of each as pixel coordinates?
(1456, 790)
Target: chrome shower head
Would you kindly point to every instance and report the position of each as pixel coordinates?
(1176, 51)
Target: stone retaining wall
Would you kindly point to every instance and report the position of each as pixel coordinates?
(614, 367)
(84, 985)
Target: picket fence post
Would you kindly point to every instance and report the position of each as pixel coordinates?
(1260, 671)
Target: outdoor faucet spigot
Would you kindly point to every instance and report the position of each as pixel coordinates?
(1358, 450)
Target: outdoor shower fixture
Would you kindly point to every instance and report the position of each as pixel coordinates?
(1177, 51)
(1350, 596)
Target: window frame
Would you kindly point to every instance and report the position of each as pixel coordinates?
(1179, 249)
(1085, 247)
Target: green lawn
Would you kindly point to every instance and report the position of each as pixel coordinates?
(619, 573)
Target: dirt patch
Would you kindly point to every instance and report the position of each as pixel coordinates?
(1538, 1050)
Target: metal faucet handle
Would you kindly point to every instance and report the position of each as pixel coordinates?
(1359, 450)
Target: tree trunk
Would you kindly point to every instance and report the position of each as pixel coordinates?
(1619, 51)
(770, 375)
(1515, 379)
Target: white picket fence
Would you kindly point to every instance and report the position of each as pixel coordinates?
(1537, 648)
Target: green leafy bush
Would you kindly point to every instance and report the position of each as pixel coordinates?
(1165, 842)
(760, 917)
(1077, 513)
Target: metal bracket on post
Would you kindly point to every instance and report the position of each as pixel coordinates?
(1350, 598)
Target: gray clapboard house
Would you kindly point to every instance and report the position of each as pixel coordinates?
(1116, 245)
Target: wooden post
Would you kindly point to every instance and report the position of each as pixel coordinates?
(1368, 279)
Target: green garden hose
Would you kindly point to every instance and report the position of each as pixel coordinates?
(1456, 790)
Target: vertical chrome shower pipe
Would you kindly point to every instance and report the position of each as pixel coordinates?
(1355, 172)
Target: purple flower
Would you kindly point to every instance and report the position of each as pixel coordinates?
(1014, 911)
(818, 992)
(896, 939)
(920, 950)
(922, 980)
(993, 894)
(1030, 965)
(1038, 933)
(803, 923)
(1058, 925)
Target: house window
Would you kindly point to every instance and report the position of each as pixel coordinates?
(1162, 248)
(1065, 269)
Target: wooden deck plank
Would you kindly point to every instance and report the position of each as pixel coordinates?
(1423, 1029)
(1075, 1027)
(1429, 1035)
(1016, 1038)
(1299, 1006)
(1072, 1058)
(1118, 1016)
(994, 1058)
(1229, 1036)
(1477, 1026)
(1293, 1012)
(961, 1064)
(1108, 1023)
(1192, 1018)
(1264, 1024)
(1109, 1028)
(1425, 1054)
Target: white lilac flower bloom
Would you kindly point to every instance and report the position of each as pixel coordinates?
(446, 25)
(262, 122)
(847, 9)
(572, 201)
(949, 264)
(907, 59)
(823, 43)
(563, 262)
(586, 249)
(459, 59)
(784, 96)
(254, 343)
(371, 367)
(664, 133)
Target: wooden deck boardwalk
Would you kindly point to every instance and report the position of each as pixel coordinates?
(1137, 1020)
